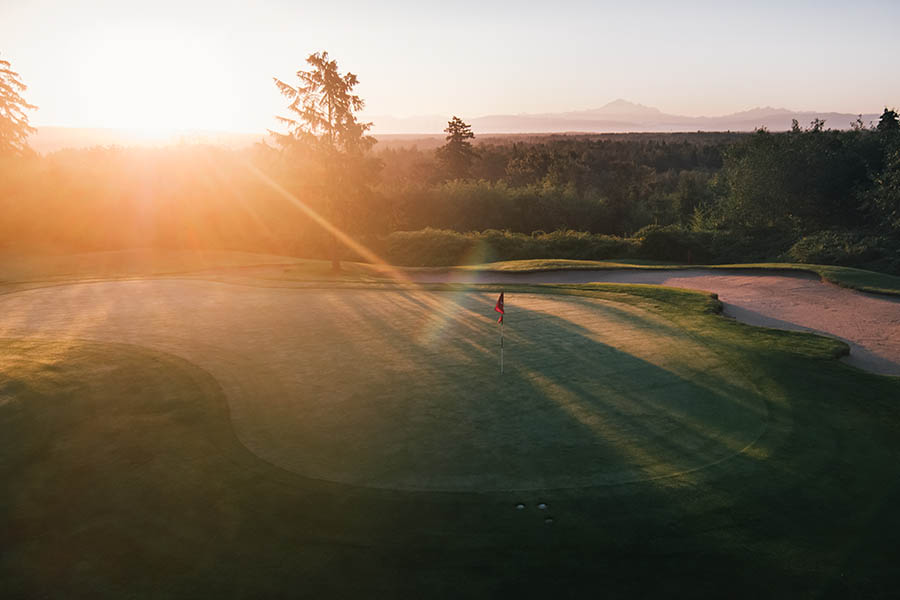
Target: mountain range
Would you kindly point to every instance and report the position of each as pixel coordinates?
(619, 116)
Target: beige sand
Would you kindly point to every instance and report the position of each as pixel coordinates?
(869, 323)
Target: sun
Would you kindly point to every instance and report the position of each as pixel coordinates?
(154, 86)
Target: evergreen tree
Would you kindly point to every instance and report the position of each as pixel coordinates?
(14, 127)
(324, 130)
(457, 155)
(889, 121)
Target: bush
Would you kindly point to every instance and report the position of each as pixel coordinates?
(441, 247)
(848, 249)
(427, 247)
(751, 245)
(675, 244)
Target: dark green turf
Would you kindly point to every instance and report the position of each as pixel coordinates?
(122, 477)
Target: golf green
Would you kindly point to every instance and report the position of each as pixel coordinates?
(401, 389)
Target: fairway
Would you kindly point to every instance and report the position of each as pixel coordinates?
(187, 437)
(401, 389)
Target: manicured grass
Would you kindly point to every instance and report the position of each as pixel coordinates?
(858, 279)
(555, 264)
(315, 390)
(24, 269)
(124, 477)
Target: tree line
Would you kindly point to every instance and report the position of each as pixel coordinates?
(812, 193)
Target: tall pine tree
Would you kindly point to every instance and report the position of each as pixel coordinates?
(14, 127)
(457, 155)
(324, 129)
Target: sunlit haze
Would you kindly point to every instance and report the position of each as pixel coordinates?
(170, 65)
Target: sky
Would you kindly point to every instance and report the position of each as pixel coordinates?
(204, 64)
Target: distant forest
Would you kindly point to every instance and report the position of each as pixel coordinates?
(807, 195)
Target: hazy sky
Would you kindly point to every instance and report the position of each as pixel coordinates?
(209, 64)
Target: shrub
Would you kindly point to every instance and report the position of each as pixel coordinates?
(849, 249)
(441, 247)
(673, 243)
(751, 245)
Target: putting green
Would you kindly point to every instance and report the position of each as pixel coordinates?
(401, 389)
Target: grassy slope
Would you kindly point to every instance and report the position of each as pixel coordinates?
(122, 476)
(31, 268)
(858, 279)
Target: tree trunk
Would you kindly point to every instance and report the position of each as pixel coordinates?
(335, 257)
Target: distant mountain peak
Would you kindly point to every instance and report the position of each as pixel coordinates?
(620, 106)
(762, 111)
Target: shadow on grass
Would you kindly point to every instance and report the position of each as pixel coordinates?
(146, 492)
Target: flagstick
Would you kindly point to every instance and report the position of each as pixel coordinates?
(501, 347)
(499, 308)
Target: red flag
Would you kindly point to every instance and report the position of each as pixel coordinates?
(499, 307)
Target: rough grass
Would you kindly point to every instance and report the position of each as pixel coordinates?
(122, 476)
(32, 266)
(28, 270)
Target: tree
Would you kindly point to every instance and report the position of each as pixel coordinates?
(325, 130)
(14, 128)
(884, 197)
(889, 121)
(457, 154)
(805, 180)
(857, 125)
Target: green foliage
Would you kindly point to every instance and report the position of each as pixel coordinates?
(889, 121)
(441, 247)
(458, 154)
(676, 244)
(750, 245)
(427, 247)
(847, 248)
(324, 108)
(444, 247)
(185, 197)
(14, 127)
(884, 197)
(716, 198)
(476, 205)
(805, 179)
(326, 135)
